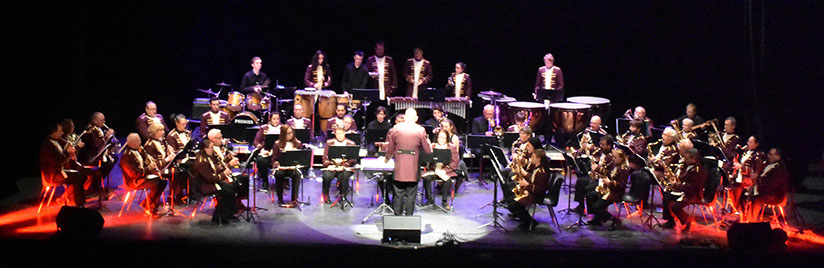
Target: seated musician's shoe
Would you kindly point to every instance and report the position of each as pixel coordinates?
(687, 226)
(595, 222)
(429, 202)
(615, 223)
(670, 224)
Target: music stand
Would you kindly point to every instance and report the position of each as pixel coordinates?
(549, 94)
(622, 126)
(269, 140)
(303, 134)
(345, 152)
(367, 96)
(432, 95)
(251, 211)
(494, 152)
(509, 138)
(299, 159)
(225, 129)
(383, 208)
(356, 137)
(173, 164)
(443, 156)
(474, 144)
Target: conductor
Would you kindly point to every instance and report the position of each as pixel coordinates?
(404, 142)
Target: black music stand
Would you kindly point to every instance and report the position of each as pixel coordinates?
(509, 138)
(251, 211)
(495, 151)
(303, 134)
(443, 156)
(356, 137)
(474, 144)
(547, 94)
(225, 129)
(173, 165)
(269, 140)
(299, 159)
(375, 135)
(366, 96)
(432, 95)
(345, 152)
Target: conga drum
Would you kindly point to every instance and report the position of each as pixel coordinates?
(307, 100)
(599, 106)
(569, 117)
(534, 112)
(235, 101)
(253, 101)
(327, 100)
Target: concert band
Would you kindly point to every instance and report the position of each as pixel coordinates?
(604, 167)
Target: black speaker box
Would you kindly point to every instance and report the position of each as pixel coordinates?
(750, 236)
(402, 228)
(79, 222)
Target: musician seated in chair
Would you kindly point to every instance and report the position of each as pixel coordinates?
(600, 160)
(214, 178)
(298, 121)
(140, 171)
(522, 159)
(177, 140)
(520, 122)
(380, 123)
(55, 155)
(160, 152)
(684, 188)
(228, 158)
(533, 183)
(687, 130)
(437, 117)
(483, 125)
(264, 158)
(667, 155)
(447, 173)
(95, 139)
(611, 184)
(773, 184)
(337, 168)
(747, 169)
(286, 142)
(215, 116)
(340, 116)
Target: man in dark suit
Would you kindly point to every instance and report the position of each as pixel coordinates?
(483, 125)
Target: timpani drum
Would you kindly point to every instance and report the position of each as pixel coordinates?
(503, 109)
(327, 100)
(599, 106)
(253, 101)
(307, 100)
(235, 101)
(569, 117)
(534, 112)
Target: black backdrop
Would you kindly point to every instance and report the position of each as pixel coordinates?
(758, 61)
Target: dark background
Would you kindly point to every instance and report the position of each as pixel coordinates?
(759, 61)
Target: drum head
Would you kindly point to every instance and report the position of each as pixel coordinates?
(568, 106)
(526, 105)
(588, 100)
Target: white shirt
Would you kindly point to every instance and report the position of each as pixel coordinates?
(381, 74)
(418, 65)
(458, 81)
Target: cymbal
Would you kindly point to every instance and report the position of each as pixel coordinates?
(256, 86)
(207, 91)
(221, 84)
(490, 93)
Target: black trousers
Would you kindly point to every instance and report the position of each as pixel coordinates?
(584, 185)
(74, 193)
(446, 189)
(404, 198)
(226, 201)
(280, 178)
(343, 180)
(264, 164)
(598, 206)
(672, 206)
(155, 187)
(242, 186)
(519, 211)
(94, 180)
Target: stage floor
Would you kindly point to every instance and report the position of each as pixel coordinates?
(319, 225)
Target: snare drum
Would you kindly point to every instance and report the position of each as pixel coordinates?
(253, 101)
(534, 111)
(235, 102)
(599, 106)
(307, 100)
(569, 117)
(327, 100)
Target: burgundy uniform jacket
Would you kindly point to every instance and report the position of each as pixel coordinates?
(143, 122)
(404, 142)
(390, 77)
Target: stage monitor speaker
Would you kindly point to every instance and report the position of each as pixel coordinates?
(755, 237)
(80, 223)
(402, 228)
(199, 106)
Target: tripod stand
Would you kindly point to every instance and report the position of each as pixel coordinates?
(251, 211)
(171, 211)
(495, 214)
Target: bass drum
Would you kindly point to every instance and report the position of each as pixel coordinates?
(307, 100)
(235, 101)
(253, 101)
(327, 100)
(231, 112)
(535, 112)
(246, 118)
(599, 106)
(569, 117)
